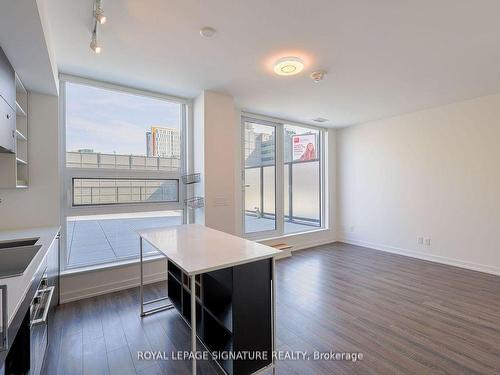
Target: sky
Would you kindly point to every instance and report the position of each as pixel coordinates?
(112, 121)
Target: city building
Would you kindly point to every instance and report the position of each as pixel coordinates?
(163, 142)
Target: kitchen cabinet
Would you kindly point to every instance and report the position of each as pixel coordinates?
(7, 127)
(14, 163)
(53, 276)
(7, 81)
(32, 323)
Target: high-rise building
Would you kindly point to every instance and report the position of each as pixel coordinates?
(163, 142)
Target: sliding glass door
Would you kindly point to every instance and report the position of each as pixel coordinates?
(260, 148)
(282, 178)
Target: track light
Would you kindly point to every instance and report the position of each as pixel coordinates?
(94, 46)
(99, 19)
(99, 16)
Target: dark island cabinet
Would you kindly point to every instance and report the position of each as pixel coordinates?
(233, 312)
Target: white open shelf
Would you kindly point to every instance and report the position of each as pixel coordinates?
(20, 135)
(14, 167)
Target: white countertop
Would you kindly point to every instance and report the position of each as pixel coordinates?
(17, 286)
(198, 249)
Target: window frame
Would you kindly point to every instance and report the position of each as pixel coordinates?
(68, 173)
(280, 184)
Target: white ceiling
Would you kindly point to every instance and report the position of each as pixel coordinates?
(383, 57)
(23, 39)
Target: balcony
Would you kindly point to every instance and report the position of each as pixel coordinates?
(103, 239)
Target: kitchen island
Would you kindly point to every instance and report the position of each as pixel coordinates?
(224, 288)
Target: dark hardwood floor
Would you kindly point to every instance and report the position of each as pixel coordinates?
(405, 315)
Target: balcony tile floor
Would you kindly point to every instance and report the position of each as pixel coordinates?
(106, 240)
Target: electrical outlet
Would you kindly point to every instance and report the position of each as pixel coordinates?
(427, 242)
(420, 240)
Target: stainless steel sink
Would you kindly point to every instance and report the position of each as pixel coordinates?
(18, 243)
(16, 256)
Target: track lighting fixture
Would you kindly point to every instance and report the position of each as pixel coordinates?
(98, 19)
(99, 15)
(94, 46)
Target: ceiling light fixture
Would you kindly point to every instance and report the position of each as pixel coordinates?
(288, 66)
(99, 13)
(320, 120)
(207, 32)
(94, 46)
(98, 19)
(318, 75)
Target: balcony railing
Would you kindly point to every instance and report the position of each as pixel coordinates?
(101, 191)
(114, 161)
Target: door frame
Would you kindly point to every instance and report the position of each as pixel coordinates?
(279, 125)
(278, 182)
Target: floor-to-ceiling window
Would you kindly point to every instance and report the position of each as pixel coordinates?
(283, 179)
(260, 177)
(123, 162)
(302, 178)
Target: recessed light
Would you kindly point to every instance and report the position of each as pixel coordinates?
(288, 66)
(207, 32)
(320, 119)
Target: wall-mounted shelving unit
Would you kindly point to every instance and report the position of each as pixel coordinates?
(14, 167)
(193, 203)
(244, 290)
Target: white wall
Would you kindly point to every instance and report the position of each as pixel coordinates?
(433, 173)
(198, 139)
(38, 205)
(101, 281)
(214, 156)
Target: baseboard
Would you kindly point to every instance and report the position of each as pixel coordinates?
(312, 244)
(429, 257)
(116, 286)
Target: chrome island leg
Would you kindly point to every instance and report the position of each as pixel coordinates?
(193, 323)
(273, 304)
(141, 288)
(167, 306)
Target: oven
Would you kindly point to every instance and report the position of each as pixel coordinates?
(39, 310)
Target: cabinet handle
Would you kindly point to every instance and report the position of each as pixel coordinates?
(8, 116)
(4, 342)
(43, 319)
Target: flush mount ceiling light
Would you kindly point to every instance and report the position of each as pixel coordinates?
(288, 66)
(207, 32)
